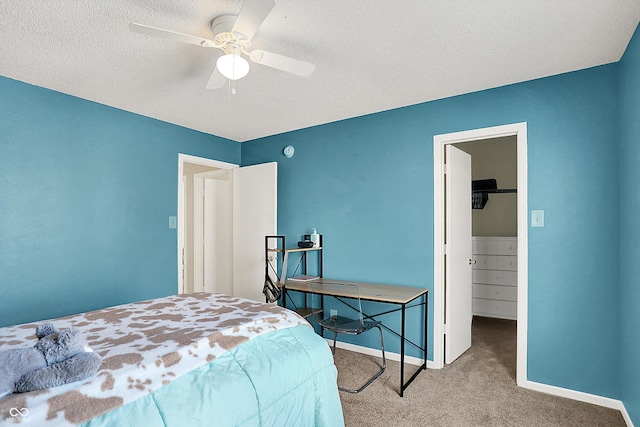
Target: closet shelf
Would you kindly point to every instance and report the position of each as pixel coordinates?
(294, 249)
(480, 190)
(497, 191)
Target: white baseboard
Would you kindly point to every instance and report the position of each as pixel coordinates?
(625, 415)
(531, 385)
(378, 353)
(580, 396)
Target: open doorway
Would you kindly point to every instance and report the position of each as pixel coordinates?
(205, 209)
(441, 307)
(224, 212)
(494, 247)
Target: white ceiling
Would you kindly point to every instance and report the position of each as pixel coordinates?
(370, 55)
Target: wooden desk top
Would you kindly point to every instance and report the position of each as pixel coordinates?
(368, 291)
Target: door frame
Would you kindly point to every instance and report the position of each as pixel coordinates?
(181, 224)
(439, 141)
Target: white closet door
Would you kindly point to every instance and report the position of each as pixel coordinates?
(254, 216)
(218, 239)
(458, 269)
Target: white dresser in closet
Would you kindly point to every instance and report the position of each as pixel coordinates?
(495, 277)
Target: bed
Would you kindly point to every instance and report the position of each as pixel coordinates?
(188, 360)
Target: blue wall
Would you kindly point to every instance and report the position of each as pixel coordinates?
(85, 199)
(630, 227)
(86, 191)
(367, 185)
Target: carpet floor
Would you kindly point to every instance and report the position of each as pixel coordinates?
(478, 389)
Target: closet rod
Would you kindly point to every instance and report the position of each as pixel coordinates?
(513, 190)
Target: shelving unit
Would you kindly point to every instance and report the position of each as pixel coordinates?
(495, 277)
(277, 245)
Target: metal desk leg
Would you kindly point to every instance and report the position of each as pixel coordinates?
(426, 328)
(322, 311)
(402, 352)
(403, 384)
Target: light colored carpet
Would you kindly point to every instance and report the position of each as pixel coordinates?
(478, 389)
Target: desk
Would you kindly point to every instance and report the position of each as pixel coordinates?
(401, 295)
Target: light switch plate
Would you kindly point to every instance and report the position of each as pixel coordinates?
(537, 218)
(173, 221)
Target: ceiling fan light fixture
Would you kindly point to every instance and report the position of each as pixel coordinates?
(232, 66)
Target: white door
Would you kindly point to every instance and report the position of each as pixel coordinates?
(218, 234)
(254, 217)
(212, 232)
(458, 256)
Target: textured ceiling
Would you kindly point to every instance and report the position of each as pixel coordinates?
(370, 55)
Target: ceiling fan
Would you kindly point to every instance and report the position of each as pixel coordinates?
(233, 36)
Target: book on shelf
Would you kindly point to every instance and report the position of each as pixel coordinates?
(304, 278)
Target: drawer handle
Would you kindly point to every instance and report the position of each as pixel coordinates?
(472, 262)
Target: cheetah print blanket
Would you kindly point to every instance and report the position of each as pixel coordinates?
(143, 346)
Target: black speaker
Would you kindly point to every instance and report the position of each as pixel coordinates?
(305, 244)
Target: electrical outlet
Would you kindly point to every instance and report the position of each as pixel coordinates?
(333, 313)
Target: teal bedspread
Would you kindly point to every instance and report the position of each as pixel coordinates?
(281, 378)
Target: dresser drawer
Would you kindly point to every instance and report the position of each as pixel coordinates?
(495, 277)
(504, 262)
(485, 246)
(495, 245)
(496, 262)
(502, 293)
(507, 246)
(495, 308)
(485, 262)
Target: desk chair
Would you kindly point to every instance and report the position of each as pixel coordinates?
(340, 324)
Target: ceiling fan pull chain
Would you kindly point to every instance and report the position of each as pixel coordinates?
(232, 90)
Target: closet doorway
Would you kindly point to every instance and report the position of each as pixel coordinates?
(507, 219)
(494, 249)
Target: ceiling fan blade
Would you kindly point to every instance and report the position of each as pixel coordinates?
(252, 14)
(282, 62)
(171, 35)
(217, 80)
